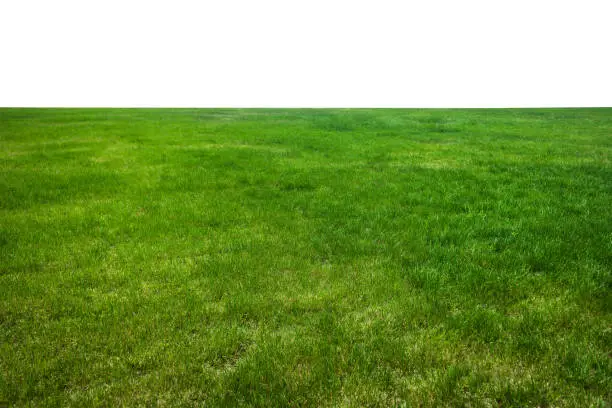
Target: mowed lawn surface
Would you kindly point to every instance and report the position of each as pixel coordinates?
(305, 257)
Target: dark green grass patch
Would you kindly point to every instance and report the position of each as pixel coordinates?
(348, 257)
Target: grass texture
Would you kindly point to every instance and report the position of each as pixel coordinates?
(279, 257)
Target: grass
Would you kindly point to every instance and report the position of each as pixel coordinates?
(305, 257)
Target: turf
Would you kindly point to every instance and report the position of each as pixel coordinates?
(305, 257)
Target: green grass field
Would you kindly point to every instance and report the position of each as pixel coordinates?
(306, 257)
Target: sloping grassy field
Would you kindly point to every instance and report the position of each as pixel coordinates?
(306, 257)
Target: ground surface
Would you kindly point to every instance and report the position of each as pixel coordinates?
(306, 257)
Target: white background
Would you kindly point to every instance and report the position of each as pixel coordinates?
(312, 53)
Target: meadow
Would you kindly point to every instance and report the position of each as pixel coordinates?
(306, 257)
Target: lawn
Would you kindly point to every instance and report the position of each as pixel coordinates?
(278, 257)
